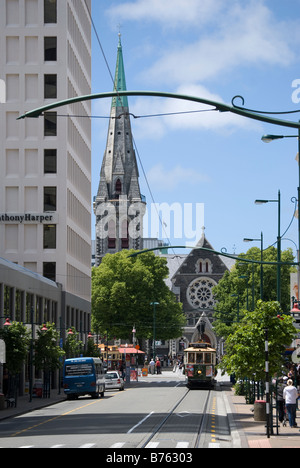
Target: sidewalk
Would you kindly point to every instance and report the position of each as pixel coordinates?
(24, 406)
(253, 433)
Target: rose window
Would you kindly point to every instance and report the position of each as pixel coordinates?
(199, 293)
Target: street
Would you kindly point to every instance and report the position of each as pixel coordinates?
(155, 413)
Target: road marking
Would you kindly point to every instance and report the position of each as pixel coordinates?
(118, 445)
(141, 422)
(87, 446)
(213, 445)
(182, 444)
(152, 445)
(55, 417)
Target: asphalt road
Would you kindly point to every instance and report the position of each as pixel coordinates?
(126, 419)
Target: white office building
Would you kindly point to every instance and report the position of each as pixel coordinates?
(45, 162)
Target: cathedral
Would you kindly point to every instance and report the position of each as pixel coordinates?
(119, 208)
(192, 278)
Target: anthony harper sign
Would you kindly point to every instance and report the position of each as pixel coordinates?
(29, 218)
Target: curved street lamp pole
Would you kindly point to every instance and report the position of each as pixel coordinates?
(260, 202)
(154, 304)
(247, 239)
(269, 139)
(218, 106)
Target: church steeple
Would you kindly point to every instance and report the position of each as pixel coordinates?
(119, 206)
(120, 81)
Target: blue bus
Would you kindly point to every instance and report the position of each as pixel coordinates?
(83, 376)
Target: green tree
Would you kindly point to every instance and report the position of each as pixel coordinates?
(92, 350)
(123, 288)
(48, 353)
(240, 288)
(72, 345)
(17, 341)
(245, 347)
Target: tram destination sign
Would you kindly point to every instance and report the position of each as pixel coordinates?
(29, 218)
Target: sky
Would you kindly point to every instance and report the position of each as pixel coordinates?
(205, 169)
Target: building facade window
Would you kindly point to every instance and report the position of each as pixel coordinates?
(118, 188)
(50, 11)
(49, 240)
(50, 161)
(50, 199)
(50, 86)
(111, 234)
(50, 49)
(203, 266)
(125, 236)
(50, 124)
(49, 270)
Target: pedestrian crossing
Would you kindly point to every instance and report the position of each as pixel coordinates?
(120, 445)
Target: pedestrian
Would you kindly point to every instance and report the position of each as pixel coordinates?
(290, 394)
(157, 365)
(122, 372)
(280, 400)
(151, 366)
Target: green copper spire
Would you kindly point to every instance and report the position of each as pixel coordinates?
(120, 82)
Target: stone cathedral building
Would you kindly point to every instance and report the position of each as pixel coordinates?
(119, 206)
(192, 278)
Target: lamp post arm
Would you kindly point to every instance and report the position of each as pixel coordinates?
(223, 254)
(221, 107)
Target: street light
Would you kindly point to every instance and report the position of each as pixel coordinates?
(247, 239)
(154, 304)
(133, 335)
(261, 202)
(7, 322)
(269, 138)
(295, 312)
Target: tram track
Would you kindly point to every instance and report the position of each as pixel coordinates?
(194, 421)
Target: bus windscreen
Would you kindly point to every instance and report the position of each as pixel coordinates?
(78, 369)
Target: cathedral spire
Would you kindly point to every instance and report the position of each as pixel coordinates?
(120, 81)
(119, 206)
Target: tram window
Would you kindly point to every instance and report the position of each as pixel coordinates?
(192, 358)
(199, 358)
(207, 358)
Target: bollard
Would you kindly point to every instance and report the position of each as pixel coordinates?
(260, 413)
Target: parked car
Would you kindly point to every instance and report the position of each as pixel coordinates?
(113, 380)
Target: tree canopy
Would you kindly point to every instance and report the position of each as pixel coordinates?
(48, 354)
(17, 341)
(123, 289)
(240, 289)
(245, 347)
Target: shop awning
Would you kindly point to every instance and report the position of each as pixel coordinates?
(130, 350)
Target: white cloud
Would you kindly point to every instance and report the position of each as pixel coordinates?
(186, 115)
(245, 36)
(169, 13)
(240, 34)
(174, 177)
